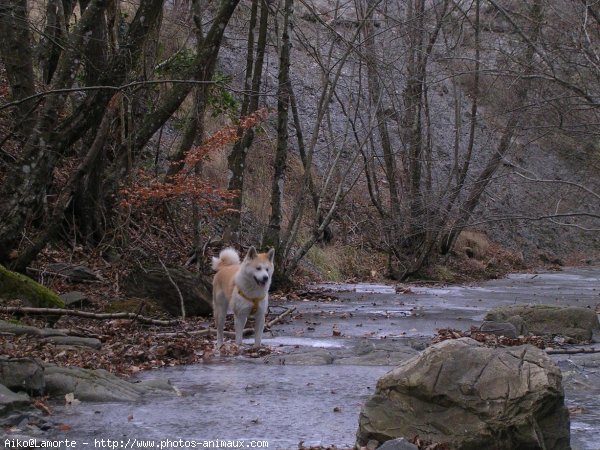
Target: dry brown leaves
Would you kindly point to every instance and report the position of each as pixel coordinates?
(425, 444)
(127, 347)
(488, 339)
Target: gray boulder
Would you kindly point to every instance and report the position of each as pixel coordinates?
(75, 341)
(310, 357)
(98, 385)
(505, 329)
(10, 401)
(471, 397)
(18, 329)
(74, 272)
(75, 299)
(577, 324)
(22, 374)
(398, 444)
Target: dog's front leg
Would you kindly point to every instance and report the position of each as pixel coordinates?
(259, 326)
(240, 322)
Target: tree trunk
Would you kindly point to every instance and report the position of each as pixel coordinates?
(272, 237)
(504, 146)
(17, 57)
(376, 98)
(26, 191)
(237, 158)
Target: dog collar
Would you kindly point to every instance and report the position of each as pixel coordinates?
(254, 300)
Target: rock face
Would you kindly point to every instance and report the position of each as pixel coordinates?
(74, 341)
(506, 329)
(75, 299)
(10, 400)
(471, 397)
(18, 329)
(22, 374)
(572, 322)
(74, 272)
(99, 385)
(154, 284)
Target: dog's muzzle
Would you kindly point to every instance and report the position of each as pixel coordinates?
(261, 281)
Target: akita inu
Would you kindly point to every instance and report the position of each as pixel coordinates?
(242, 288)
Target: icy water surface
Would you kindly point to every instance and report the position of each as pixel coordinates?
(281, 404)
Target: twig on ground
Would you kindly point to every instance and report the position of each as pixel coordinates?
(86, 314)
(176, 287)
(281, 316)
(61, 275)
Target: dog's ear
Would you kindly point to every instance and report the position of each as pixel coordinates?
(251, 253)
(271, 254)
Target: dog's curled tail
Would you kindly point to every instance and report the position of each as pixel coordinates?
(228, 257)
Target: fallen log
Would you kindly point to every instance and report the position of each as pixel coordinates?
(571, 351)
(86, 314)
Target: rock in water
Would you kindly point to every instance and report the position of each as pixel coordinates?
(22, 374)
(471, 397)
(10, 400)
(100, 385)
(577, 324)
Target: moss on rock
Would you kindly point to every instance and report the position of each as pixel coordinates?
(15, 285)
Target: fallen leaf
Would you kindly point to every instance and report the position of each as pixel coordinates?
(63, 427)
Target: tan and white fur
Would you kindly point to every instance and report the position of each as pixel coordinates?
(242, 287)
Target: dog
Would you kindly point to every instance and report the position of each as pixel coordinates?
(242, 287)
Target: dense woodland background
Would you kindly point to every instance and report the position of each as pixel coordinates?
(359, 138)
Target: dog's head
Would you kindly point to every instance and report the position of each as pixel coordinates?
(259, 266)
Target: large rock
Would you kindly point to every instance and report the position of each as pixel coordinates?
(398, 444)
(14, 285)
(154, 284)
(74, 272)
(471, 397)
(99, 385)
(22, 374)
(505, 329)
(75, 299)
(74, 341)
(575, 323)
(19, 329)
(10, 400)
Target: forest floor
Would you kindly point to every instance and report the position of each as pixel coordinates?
(129, 346)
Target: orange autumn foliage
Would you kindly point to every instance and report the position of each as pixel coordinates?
(186, 183)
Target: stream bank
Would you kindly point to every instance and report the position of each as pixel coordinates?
(327, 363)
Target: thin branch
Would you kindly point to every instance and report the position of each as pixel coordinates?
(569, 183)
(101, 88)
(86, 314)
(176, 287)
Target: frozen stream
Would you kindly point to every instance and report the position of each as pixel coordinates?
(312, 389)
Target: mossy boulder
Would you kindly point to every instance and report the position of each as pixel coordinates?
(14, 285)
(576, 323)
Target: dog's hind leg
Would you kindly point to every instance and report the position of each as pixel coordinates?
(220, 313)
